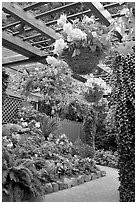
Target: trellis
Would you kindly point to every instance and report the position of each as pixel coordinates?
(32, 41)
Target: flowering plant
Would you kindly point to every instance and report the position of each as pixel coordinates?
(86, 41)
(95, 88)
(63, 144)
(106, 158)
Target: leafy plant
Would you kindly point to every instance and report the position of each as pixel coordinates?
(89, 127)
(20, 178)
(124, 97)
(106, 158)
(48, 126)
(5, 78)
(83, 150)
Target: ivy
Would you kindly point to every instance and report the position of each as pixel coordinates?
(124, 95)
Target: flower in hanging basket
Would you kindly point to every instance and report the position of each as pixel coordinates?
(84, 44)
(94, 94)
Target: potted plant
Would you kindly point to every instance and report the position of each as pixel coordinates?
(84, 43)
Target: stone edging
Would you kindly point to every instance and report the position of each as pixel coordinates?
(74, 181)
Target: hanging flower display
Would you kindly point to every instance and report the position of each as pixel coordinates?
(94, 94)
(84, 44)
(95, 88)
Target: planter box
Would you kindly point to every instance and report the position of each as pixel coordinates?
(93, 176)
(103, 173)
(48, 188)
(74, 182)
(55, 187)
(88, 178)
(98, 174)
(80, 179)
(60, 185)
(68, 182)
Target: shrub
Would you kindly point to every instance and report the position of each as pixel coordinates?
(106, 158)
(124, 97)
(89, 127)
(83, 150)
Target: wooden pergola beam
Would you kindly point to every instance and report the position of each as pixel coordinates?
(12, 62)
(73, 16)
(28, 19)
(59, 9)
(34, 5)
(19, 46)
(43, 14)
(108, 6)
(103, 14)
(98, 9)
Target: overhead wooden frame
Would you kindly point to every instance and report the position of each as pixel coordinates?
(22, 15)
(103, 15)
(17, 45)
(30, 20)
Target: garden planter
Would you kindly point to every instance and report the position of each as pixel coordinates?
(83, 63)
(55, 187)
(93, 176)
(68, 182)
(48, 188)
(93, 96)
(74, 182)
(98, 174)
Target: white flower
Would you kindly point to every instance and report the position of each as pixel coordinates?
(95, 35)
(53, 61)
(86, 19)
(67, 28)
(21, 119)
(77, 34)
(37, 125)
(10, 145)
(59, 46)
(36, 69)
(57, 141)
(24, 124)
(62, 20)
(124, 11)
(36, 155)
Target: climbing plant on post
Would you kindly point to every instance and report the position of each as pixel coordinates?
(89, 127)
(124, 97)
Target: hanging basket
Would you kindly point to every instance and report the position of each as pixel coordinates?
(99, 107)
(93, 96)
(83, 62)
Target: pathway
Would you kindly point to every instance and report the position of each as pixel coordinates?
(103, 189)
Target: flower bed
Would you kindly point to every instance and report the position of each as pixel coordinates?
(33, 166)
(106, 158)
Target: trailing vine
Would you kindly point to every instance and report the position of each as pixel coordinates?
(124, 96)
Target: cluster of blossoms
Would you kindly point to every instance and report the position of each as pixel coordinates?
(72, 33)
(93, 81)
(82, 31)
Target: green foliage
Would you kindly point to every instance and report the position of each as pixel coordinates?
(48, 126)
(29, 161)
(89, 127)
(106, 158)
(20, 179)
(83, 150)
(5, 78)
(124, 97)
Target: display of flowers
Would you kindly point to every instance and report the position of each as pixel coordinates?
(106, 158)
(85, 33)
(63, 144)
(92, 81)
